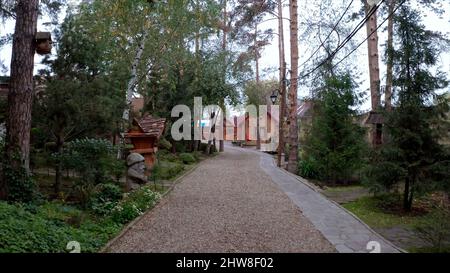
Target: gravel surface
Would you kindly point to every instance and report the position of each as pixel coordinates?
(227, 205)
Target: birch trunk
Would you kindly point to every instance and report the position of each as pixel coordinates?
(131, 86)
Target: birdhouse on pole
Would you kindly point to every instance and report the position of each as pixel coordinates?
(44, 43)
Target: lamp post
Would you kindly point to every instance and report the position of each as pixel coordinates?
(274, 96)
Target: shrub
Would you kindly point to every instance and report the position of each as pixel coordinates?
(49, 230)
(21, 186)
(168, 157)
(105, 198)
(167, 170)
(308, 169)
(187, 158)
(197, 155)
(382, 177)
(134, 205)
(96, 163)
(180, 147)
(435, 229)
(164, 144)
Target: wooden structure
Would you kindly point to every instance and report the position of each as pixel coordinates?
(144, 135)
(44, 43)
(376, 121)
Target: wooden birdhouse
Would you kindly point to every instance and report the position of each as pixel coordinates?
(144, 135)
(43, 43)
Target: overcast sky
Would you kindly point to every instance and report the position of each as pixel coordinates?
(270, 55)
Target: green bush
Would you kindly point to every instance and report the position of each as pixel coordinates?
(187, 158)
(95, 162)
(180, 147)
(168, 157)
(21, 186)
(167, 170)
(308, 169)
(435, 229)
(105, 198)
(134, 205)
(382, 177)
(197, 155)
(164, 144)
(50, 229)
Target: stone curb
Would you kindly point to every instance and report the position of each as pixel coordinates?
(130, 226)
(316, 189)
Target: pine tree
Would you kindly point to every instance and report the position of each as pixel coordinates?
(334, 147)
(413, 153)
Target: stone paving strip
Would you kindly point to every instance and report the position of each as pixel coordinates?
(347, 233)
(227, 205)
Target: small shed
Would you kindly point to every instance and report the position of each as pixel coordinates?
(144, 135)
(376, 120)
(44, 43)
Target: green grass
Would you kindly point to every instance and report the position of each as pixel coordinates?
(343, 189)
(428, 250)
(368, 210)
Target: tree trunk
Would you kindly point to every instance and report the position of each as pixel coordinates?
(58, 166)
(390, 57)
(374, 66)
(21, 91)
(224, 48)
(258, 136)
(256, 53)
(406, 195)
(131, 87)
(282, 81)
(293, 124)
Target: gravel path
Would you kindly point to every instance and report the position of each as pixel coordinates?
(228, 204)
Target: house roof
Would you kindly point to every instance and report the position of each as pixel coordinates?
(305, 108)
(150, 126)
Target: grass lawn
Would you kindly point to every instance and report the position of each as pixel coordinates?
(384, 215)
(368, 209)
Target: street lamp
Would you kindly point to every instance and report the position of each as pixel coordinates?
(274, 96)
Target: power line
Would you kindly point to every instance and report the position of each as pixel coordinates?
(329, 35)
(359, 45)
(346, 41)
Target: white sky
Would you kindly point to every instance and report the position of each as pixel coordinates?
(270, 55)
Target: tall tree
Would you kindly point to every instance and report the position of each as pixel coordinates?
(334, 146)
(413, 155)
(293, 120)
(20, 96)
(373, 53)
(282, 78)
(390, 57)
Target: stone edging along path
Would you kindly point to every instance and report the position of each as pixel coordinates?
(130, 226)
(343, 229)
